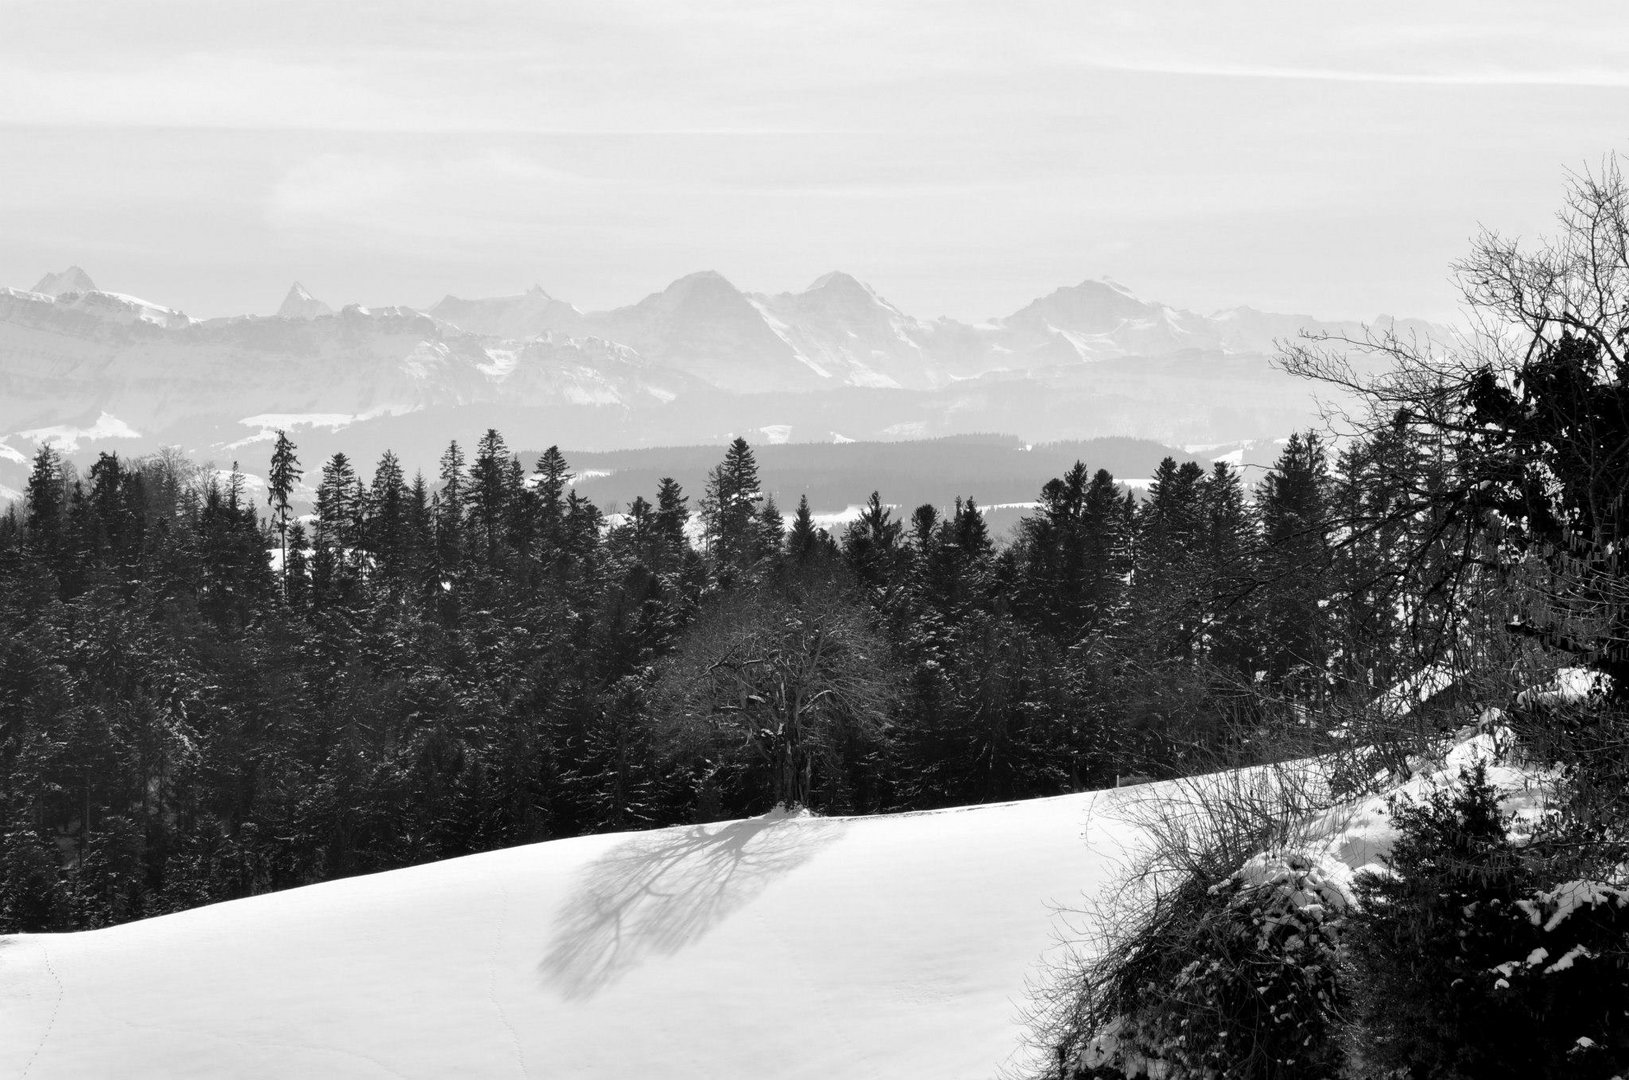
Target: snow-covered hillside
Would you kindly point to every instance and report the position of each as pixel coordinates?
(885, 947)
(786, 946)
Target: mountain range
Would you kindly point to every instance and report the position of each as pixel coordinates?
(839, 332)
(695, 362)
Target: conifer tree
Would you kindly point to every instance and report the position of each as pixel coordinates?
(449, 508)
(521, 526)
(640, 525)
(11, 530)
(771, 526)
(1228, 571)
(730, 512)
(580, 528)
(1057, 577)
(934, 570)
(114, 534)
(1108, 517)
(234, 489)
(420, 525)
(297, 569)
(388, 526)
(1295, 524)
(1168, 584)
(803, 539)
(955, 571)
(1074, 556)
(47, 505)
(285, 473)
(337, 532)
(490, 494)
(233, 573)
(871, 542)
(337, 510)
(672, 515)
(552, 479)
(924, 524)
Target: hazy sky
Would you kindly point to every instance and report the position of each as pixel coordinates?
(963, 156)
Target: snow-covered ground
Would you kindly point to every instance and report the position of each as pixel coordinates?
(790, 947)
(780, 946)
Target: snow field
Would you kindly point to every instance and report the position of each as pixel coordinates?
(789, 946)
(779, 946)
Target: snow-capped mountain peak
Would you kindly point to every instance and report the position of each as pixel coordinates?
(842, 329)
(71, 280)
(706, 327)
(846, 289)
(707, 287)
(300, 304)
(837, 281)
(831, 277)
(521, 317)
(1117, 286)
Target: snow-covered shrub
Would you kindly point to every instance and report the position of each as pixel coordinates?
(1574, 980)
(1209, 959)
(1465, 964)
(1247, 986)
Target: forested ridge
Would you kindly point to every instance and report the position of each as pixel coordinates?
(204, 697)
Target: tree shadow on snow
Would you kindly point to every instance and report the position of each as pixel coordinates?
(657, 893)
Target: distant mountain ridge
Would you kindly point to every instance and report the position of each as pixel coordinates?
(840, 331)
(694, 362)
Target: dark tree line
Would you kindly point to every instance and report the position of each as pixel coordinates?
(204, 696)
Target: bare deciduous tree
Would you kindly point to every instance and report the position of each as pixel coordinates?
(780, 676)
(1531, 408)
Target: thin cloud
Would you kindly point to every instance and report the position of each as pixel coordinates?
(415, 194)
(375, 93)
(1595, 77)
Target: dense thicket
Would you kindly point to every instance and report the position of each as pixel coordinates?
(203, 696)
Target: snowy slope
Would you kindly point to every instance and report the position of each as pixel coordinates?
(784, 946)
(842, 327)
(881, 947)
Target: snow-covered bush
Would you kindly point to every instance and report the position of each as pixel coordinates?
(1246, 986)
(1210, 959)
(1575, 979)
(1463, 963)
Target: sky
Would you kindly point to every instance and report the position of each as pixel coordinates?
(961, 156)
